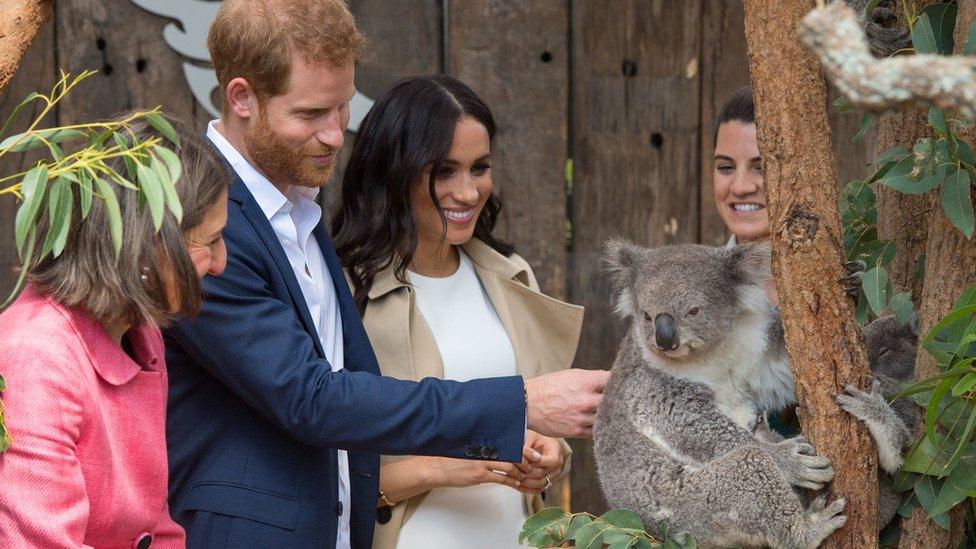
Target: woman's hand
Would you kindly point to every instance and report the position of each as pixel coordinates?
(465, 472)
(546, 456)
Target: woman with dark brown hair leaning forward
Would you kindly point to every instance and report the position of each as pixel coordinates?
(82, 355)
(443, 297)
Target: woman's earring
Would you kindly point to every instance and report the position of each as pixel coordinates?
(144, 277)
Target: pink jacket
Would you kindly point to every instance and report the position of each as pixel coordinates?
(87, 466)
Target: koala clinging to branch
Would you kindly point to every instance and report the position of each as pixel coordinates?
(703, 357)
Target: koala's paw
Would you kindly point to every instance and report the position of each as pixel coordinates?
(800, 465)
(867, 407)
(852, 282)
(819, 521)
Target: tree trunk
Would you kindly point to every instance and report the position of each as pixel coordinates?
(19, 23)
(950, 267)
(825, 345)
(903, 218)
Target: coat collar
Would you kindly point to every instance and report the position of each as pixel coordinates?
(482, 255)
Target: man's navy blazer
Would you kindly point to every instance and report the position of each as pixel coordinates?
(256, 413)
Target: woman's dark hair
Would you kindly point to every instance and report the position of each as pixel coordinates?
(410, 127)
(88, 273)
(739, 107)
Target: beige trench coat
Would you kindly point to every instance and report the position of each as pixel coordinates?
(544, 333)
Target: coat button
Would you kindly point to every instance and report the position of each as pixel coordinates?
(142, 541)
(486, 452)
(384, 514)
(493, 454)
(471, 451)
(339, 508)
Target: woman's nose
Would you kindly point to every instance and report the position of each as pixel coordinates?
(745, 182)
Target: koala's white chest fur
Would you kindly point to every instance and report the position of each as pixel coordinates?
(744, 373)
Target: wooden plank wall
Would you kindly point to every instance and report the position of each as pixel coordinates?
(626, 88)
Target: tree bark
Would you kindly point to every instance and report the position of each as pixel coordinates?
(903, 218)
(825, 345)
(19, 23)
(950, 267)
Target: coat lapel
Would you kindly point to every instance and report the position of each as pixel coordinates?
(255, 216)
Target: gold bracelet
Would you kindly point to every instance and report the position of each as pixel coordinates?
(383, 501)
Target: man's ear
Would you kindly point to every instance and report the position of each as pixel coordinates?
(241, 99)
(620, 258)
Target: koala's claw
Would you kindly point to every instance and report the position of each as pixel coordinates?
(855, 271)
(801, 465)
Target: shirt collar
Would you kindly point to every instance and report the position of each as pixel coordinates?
(268, 197)
(732, 242)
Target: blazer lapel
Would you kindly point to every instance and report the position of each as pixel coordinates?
(252, 212)
(358, 353)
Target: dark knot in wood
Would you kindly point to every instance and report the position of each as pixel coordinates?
(801, 225)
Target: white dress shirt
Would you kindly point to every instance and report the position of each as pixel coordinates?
(293, 217)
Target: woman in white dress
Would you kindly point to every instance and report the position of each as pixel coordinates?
(441, 296)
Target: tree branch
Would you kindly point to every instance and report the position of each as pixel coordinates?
(19, 24)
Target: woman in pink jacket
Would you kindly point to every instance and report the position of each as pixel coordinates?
(82, 356)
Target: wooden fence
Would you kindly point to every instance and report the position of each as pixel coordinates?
(625, 89)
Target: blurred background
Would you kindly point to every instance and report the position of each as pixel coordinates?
(604, 110)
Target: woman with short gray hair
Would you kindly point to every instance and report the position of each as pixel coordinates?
(82, 354)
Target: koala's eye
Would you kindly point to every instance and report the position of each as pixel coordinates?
(693, 311)
(883, 352)
(647, 316)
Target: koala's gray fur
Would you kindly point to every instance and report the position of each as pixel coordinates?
(883, 36)
(891, 351)
(673, 438)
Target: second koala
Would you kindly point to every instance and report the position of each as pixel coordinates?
(703, 357)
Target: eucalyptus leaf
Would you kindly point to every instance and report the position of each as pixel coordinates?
(67, 204)
(898, 177)
(623, 518)
(173, 164)
(17, 110)
(970, 47)
(163, 126)
(874, 284)
(964, 151)
(576, 523)
(168, 186)
(540, 521)
(85, 192)
(892, 154)
(942, 17)
(32, 140)
(59, 203)
(937, 120)
(27, 256)
(842, 104)
(901, 305)
(153, 191)
(948, 497)
(107, 194)
(932, 413)
(866, 120)
(34, 189)
(923, 38)
(590, 536)
(957, 202)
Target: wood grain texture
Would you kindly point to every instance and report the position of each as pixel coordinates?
(405, 39)
(825, 345)
(38, 72)
(137, 69)
(516, 58)
(636, 127)
(724, 69)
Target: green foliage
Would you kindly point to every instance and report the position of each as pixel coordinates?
(617, 529)
(65, 184)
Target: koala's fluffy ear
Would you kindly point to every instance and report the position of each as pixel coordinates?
(620, 258)
(751, 263)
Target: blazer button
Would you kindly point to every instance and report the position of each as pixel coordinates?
(493, 453)
(486, 452)
(384, 514)
(339, 508)
(471, 451)
(142, 541)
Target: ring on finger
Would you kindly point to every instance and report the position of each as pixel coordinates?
(548, 483)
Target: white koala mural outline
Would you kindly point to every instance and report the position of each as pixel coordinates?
(188, 37)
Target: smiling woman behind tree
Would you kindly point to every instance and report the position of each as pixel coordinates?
(83, 357)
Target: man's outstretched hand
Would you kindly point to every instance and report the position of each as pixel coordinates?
(564, 403)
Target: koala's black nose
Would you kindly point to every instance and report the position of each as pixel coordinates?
(665, 334)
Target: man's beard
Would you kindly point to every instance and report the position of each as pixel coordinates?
(282, 163)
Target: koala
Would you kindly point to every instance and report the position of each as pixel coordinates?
(703, 357)
(884, 37)
(891, 351)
